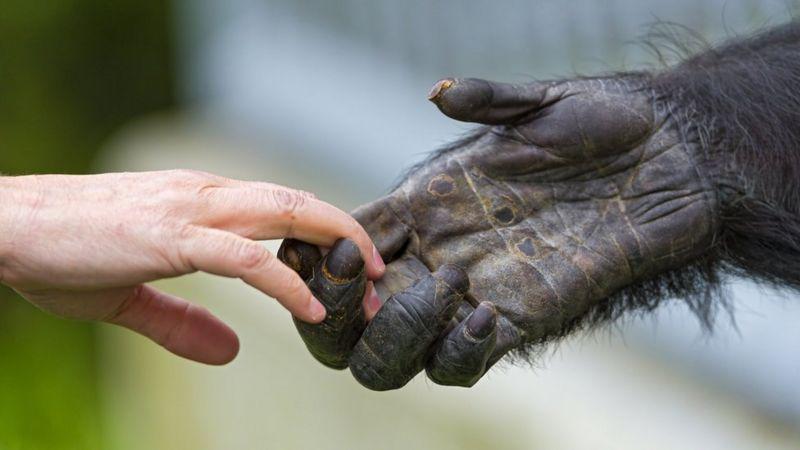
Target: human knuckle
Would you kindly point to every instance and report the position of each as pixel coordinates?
(207, 194)
(192, 181)
(287, 202)
(184, 232)
(251, 255)
(177, 186)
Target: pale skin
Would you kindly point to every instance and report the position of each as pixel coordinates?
(83, 247)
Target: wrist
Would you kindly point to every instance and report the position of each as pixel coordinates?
(19, 196)
(741, 113)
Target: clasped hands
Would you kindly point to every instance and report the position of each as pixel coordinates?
(569, 192)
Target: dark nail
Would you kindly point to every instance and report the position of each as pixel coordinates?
(439, 88)
(482, 321)
(343, 262)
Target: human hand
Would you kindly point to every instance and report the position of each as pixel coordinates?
(81, 247)
(576, 190)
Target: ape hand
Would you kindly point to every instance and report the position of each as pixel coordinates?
(575, 190)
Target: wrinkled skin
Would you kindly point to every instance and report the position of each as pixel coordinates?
(575, 190)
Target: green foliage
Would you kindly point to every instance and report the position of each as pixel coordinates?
(47, 380)
(71, 72)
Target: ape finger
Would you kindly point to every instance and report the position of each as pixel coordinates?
(385, 223)
(395, 345)
(339, 283)
(301, 256)
(460, 359)
(486, 102)
(400, 275)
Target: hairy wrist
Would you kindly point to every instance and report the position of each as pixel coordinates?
(739, 105)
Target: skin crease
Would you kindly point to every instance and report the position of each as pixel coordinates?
(81, 247)
(574, 190)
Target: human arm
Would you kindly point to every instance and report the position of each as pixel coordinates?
(83, 246)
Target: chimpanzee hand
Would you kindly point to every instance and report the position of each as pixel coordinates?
(577, 189)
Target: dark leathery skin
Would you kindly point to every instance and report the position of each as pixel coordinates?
(338, 281)
(461, 358)
(395, 346)
(300, 256)
(590, 189)
(572, 191)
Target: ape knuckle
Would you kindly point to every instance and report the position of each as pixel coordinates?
(372, 372)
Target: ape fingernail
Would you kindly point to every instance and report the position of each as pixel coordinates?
(343, 262)
(481, 322)
(439, 88)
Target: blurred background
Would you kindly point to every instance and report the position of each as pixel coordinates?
(330, 97)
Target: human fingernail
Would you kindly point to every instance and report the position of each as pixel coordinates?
(316, 311)
(379, 264)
